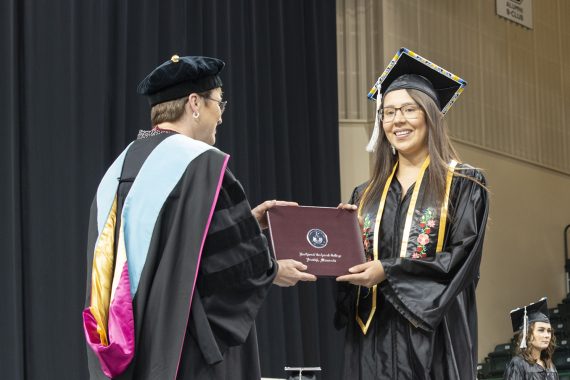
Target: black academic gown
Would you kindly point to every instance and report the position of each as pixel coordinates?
(218, 336)
(520, 369)
(425, 325)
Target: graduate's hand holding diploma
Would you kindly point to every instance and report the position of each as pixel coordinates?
(290, 271)
(367, 274)
(349, 207)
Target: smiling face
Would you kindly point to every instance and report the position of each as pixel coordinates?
(409, 136)
(541, 336)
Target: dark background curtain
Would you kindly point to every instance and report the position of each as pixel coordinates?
(69, 71)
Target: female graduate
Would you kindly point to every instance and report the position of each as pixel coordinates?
(535, 344)
(410, 309)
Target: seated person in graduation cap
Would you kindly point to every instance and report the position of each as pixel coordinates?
(177, 264)
(410, 312)
(535, 344)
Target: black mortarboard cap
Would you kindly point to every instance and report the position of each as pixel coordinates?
(535, 312)
(181, 76)
(408, 70)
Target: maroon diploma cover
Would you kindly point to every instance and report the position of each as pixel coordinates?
(326, 239)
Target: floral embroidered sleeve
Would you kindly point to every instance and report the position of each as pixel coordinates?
(423, 289)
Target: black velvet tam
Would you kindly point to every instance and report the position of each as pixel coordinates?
(408, 70)
(181, 76)
(536, 312)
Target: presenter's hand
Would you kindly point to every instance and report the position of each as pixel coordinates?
(260, 212)
(290, 272)
(349, 207)
(368, 274)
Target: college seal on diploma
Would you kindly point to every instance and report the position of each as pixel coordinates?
(326, 239)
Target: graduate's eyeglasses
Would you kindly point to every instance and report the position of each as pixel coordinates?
(221, 103)
(409, 111)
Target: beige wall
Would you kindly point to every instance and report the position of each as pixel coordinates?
(523, 252)
(513, 120)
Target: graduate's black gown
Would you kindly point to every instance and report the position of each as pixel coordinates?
(520, 369)
(425, 325)
(234, 276)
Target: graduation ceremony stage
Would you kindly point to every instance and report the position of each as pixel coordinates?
(296, 127)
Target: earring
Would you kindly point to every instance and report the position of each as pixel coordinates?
(196, 115)
(393, 150)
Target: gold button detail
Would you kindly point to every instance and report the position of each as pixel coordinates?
(175, 58)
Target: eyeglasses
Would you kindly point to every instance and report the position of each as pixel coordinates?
(409, 111)
(221, 103)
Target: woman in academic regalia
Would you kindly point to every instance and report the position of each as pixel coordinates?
(177, 263)
(535, 344)
(410, 310)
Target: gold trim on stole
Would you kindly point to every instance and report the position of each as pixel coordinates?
(412, 208)
(407, 226)
(444, 206)
(365, 326)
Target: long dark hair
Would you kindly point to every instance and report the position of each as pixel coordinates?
(440, 150)
(526, 353)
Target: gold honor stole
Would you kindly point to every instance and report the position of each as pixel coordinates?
(108, 322)
(364, 326)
